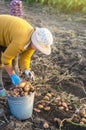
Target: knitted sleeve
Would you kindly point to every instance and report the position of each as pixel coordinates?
(25, 59)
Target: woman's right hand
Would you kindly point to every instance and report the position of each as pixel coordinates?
(14, 77)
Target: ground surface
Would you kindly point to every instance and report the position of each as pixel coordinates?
(62, 73)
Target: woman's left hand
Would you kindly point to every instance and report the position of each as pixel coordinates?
(30, 74)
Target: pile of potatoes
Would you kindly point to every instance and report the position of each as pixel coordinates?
(58, 101)
(23, 89)
(44, 104)
(80, 115)
(64, 104)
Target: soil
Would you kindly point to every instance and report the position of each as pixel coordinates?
(61, 73)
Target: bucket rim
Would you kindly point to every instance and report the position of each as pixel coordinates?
(23, 97)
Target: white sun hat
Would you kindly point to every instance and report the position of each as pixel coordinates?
(42, 39)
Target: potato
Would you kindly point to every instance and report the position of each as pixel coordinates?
(58, 98)
(84, 115)
(37, 110)
(46, 125)
(66, 109)
(82, 123)
(61, 108)
(82, 112)
(26, 88)
(83, 120)
(22, 84)
(14, 93)
(32, 88)
(49, 95)
(47, 108)
(45, 102)
(46, 98)
(64, 104)
(84, 105)
(40, 106)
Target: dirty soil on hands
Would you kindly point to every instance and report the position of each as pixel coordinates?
(61, 74)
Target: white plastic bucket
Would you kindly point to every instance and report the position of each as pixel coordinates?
(21, 107)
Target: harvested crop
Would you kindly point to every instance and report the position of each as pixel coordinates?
(40, 106)
(46, 125)
(64, 104)
(37, 110)
(47, 108)
(57, 120)
(82, 112)
(46, 98)
(26, 88)
(66, 109)
(61, 108)
(82, 123)
(49, 95)
(83, 120)
(22, 84)
(23, 89)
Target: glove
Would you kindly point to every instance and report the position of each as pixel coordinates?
(15, 79)
(30, 75)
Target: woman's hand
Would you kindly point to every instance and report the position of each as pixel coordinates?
(30, 75)
(15, 79)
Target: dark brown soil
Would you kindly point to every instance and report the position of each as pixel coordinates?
(63, 72)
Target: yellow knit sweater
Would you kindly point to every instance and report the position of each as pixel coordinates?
(15, 34)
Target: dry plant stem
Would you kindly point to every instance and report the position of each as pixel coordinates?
(61, 124)
(24, 124)
(69, 120)
(1, 122)
(65, 76)
(84, 90)
(66, 72)
(48, 102)
(82, 99)
(77, 124)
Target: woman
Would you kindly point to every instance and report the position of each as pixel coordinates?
(17, 36)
